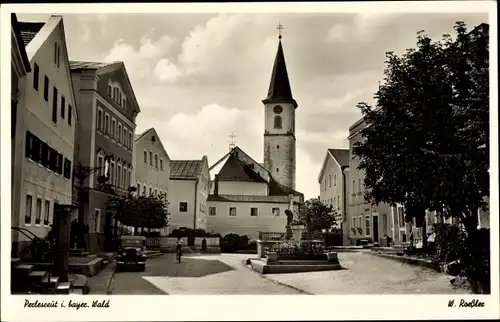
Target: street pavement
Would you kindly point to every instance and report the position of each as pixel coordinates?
(226, 274)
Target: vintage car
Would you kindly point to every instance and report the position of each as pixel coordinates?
(131, 253)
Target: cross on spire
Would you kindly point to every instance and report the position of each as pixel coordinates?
(232, 143)
(280, 28)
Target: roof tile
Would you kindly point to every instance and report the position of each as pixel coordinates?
(185, 169)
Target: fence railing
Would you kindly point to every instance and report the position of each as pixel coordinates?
(271, 235)
(168, 242)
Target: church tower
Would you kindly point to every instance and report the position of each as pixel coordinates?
(279, 134)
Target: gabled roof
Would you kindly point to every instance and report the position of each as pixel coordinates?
(277, 189)
(279, 87)
(238, 151)
(152, 131)
(29, 30)
(235, 170)
(185, 169)
(249, 198)
(35, 34)
(339, 156)
(104, 68)
(20, 41)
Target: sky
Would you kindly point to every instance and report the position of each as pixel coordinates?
(200, 77)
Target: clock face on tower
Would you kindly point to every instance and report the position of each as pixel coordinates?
(278, 109)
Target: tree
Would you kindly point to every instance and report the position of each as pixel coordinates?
(317, 216)
(144, 212)
(426, 143)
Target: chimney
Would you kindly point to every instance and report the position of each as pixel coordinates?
(216, 185)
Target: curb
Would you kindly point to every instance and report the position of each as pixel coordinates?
(410, 261)
(276, 282)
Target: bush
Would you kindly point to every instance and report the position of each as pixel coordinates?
(449, 243)
(230, 243)
(294, 250)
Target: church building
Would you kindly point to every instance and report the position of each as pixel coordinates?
(248, 197)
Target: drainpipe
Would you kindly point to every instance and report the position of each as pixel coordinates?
(344, 197)
(195, 201)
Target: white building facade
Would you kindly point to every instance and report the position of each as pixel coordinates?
(151, 166)
(188, 192)
(48, 131)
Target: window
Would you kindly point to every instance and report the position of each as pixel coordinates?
(232, 211)
(183, 207)
(46, 89)
(161, 164)
(57, 54)
(276, 212)
(109, 90)
(67, 168)
(338, 201)
(124, 178)
(46, 214)
(156, 192)
(278, 122)
(334, 201)
(144, 191)
(212, 211)
(63, 109)
(36, 77)
(113, 174)
(151, 192)
(138, 188)
(119, 136)
(69, 114)
(100, 165)
(401, 216)
(278, 147)
(145, 157)
(334, 179)
(29, 145)
(119, 176)
(353, 222)
(129, 178)
(329, 180)
(353, 186)
(59, 168)
(99, 118)
(324, 184)
(367, 225)
(113, 126)
(156, 161)
(359, 185)
(150, 158)
(106, 123)
(38, 217)
(54, 105)
(277, 170)
(254, 211)
(125, 137)
(359, 222)
(28, 210)
(97, 217)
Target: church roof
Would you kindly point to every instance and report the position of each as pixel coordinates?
(235, 170)
(341, 155)
(185, 169)
(279, 87)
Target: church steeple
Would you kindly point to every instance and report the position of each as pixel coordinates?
(279, 88)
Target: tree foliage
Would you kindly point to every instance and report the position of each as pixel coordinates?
(316, 216)
(426, 143)
(148, 212)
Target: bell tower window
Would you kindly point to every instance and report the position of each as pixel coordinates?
(278, 122)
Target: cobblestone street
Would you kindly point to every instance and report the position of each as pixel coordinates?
(226, 274)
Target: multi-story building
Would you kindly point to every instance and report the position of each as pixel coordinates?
(151, 165)
(45, 129)
(107, 108)
(20, 67)
(366, 221)
(332, 181)
(188, 192)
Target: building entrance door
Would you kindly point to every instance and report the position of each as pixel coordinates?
(375, 229)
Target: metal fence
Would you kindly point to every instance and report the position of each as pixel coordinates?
(271, 236)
